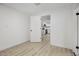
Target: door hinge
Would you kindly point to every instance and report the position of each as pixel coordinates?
(77, 47)
(77, 13)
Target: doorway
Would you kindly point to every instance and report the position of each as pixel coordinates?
(41, 28)
(45, 27)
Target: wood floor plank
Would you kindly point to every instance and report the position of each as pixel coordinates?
(36, 49)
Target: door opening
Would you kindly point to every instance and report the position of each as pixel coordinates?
(45, 27)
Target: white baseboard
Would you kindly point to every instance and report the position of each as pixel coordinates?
(12, 45)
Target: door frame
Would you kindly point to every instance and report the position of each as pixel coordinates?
(51, 24)
(75, 31)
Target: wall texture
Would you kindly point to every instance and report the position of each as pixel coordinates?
(14, 27)
(62, 27)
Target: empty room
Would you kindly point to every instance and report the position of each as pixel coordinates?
(39, 29)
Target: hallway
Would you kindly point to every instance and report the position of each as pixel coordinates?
(36, 49)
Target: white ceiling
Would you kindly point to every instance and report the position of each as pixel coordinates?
(31, 8)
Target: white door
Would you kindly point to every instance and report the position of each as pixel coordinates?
(35, 29)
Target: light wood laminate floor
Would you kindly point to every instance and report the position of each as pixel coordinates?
(36, 49)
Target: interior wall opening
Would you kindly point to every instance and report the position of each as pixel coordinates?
(45, 27)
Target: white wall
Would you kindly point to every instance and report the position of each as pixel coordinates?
(14, 27)
(62, 27)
